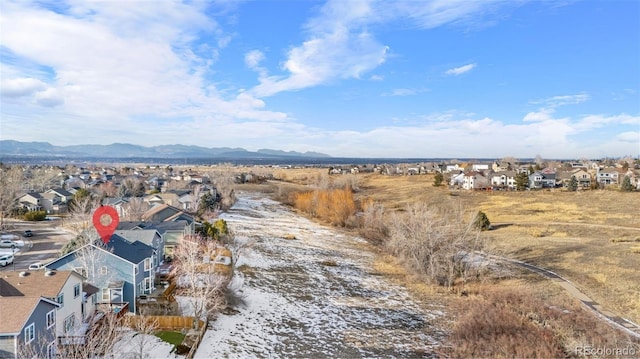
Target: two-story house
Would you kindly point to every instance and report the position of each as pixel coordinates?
(122, 270)
(66, 288)
(503, 179)
(541, 179)
(607, 176)
(27, 328)
(172, 233)
(474, 180)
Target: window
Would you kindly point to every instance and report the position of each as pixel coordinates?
(60, 299)
(76, 290)
(104, 270)
(51, 319)
(105, 294)
(147, 285)
(69, 323)
(147, 264)
(29, 333)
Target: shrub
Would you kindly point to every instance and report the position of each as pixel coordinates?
(434, 242)
(334, 206)
(35, 216)
(482, 222)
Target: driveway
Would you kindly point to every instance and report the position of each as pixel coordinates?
(48, 238)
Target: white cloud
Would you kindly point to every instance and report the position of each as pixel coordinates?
(253, 58)
(340, 46)
(460, 70)
(401, 92)
(117, 62)
(563, 100)
(49, 98)
(21, 87)
(631, 137)
(538, 116)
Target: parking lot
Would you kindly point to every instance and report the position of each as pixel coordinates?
(44, 246)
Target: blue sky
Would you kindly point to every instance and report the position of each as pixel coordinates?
(482, 79)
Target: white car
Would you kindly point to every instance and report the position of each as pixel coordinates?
(7, 243)
(36, 266)
(6, 259)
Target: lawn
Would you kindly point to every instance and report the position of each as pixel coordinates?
(171, 337)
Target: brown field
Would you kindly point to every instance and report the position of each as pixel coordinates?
(592, 238)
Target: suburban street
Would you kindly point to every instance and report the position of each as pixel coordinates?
(48, 238)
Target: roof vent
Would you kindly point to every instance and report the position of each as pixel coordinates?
(23, 274)
(49, 273)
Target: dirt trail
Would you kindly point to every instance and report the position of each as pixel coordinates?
(314, 296)
(610, 317)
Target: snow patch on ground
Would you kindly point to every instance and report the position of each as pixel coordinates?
(139, 346)
(314, 296)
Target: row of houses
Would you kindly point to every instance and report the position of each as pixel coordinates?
(545, 178)
(57, 200)
(64, 300)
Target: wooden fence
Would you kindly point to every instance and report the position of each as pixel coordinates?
(164, 322)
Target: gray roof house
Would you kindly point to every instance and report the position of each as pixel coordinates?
(122, 269)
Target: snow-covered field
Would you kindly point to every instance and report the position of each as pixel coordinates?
(315, 296)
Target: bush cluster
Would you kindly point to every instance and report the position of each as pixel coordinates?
(35, 216)
(335, 206)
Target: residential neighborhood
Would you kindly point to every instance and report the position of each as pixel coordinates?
(50, 309)
(55, 305)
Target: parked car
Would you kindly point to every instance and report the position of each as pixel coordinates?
(28, 233)
(6, 259)
(36, 266)
(7, 243)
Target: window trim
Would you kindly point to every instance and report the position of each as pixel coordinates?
(51, 314)
(77, 290)
(29, 331)
(60, 299)
(69, 323)
(107, 292)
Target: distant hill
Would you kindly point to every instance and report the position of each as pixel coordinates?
(125, 150)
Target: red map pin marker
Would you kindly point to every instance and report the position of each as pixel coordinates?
(105, 219)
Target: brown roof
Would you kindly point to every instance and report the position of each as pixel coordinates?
(15, 311)
(34, 283)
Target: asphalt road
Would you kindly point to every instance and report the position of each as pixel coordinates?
(44, 246)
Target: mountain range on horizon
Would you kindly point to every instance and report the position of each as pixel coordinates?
(126, 150)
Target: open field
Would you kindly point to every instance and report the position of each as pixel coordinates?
(591, 238)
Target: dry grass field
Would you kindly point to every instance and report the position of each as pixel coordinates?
(591, 238)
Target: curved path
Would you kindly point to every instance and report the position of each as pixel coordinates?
(596, 225)
(617, 321)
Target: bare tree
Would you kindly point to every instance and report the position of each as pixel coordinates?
(10, 185)
(134, 209)
(139, 342)
(373, 226)
(97, 342)
(224, 181)
(197, 278)
(43, 178)
(437, 242)
(79, 218)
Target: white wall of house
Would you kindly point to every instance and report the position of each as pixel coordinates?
(71, 305)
